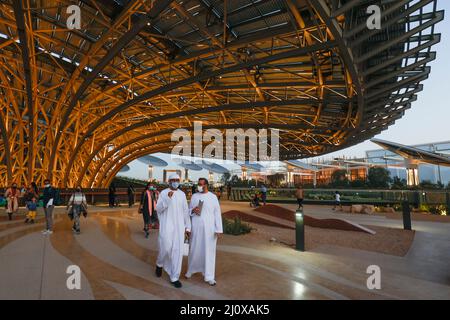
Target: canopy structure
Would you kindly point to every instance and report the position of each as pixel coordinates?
(252, 166)
(301, 165)
(214, 167)
(414, 154)
(78, 104)
(190, 165)
(125, 168)
(153, 161)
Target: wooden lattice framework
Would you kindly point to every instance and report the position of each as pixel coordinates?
(77, 105)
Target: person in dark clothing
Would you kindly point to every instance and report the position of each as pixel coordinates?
(228, 192)
(112, 195)
(263, 194)
(48, 199)
(147, 208)
(130, 193)
(35, 188)
(255, 201)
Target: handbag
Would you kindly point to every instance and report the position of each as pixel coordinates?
(84, 210)
(70, 211)
(186, 246)
(186, 249)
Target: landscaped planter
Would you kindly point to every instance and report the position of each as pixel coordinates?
(419, 216)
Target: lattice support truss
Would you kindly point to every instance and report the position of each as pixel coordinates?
(77, 105)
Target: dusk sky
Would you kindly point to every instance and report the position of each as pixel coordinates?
(428, 120)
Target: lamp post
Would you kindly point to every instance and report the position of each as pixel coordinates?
(406, 215)
(299, 230)
(150, 173)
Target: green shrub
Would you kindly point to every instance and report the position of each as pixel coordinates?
(424, 208)
(235, 227)
(438, 209)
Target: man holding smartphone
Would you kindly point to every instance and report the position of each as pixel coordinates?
(174, 224)
(206, 227)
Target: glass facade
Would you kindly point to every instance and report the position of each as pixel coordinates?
(426, 172)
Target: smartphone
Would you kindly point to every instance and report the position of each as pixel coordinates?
(200, 206)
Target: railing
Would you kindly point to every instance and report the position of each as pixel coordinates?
(287, 195)
(348, 196)
(98, 196)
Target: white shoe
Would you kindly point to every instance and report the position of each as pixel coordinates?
(188, 276)
(212, 282)
(44, 232)
(49, 232)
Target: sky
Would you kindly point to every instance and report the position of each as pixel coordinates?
(428, 120)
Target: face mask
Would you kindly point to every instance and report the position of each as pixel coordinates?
(174, 185)
(47, 185)
(200, 188)
(151, 188)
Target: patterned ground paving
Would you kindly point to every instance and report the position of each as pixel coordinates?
(117, 262)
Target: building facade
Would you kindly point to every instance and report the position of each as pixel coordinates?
(425, 172)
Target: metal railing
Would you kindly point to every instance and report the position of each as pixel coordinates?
(97, 196)
(348, 196)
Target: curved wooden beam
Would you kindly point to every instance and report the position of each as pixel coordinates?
(126, 161)
(235, 106)
(162, 133)
(21, 29)
(137, 27)
(197, 78)
(160, 146)
(9, 171)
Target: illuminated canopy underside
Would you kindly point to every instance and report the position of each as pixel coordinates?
(77, 105)
(413, 153)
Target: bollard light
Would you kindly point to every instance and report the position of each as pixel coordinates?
(299, 230)
(406, 215)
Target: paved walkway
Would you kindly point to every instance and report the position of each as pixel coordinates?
(117, 262)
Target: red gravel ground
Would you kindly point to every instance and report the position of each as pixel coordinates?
(283, 213)
(252, 219)
(277, 211)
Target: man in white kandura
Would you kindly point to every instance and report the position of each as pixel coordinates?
(174, 225)
(206, 227)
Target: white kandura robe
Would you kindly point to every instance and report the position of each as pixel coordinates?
(203, 241)
(174, 220)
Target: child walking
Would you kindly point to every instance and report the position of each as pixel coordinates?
(337, 202)
(32, 207)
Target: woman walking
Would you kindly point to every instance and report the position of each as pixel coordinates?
(147, 207)
(12, 195)
(76, 206)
